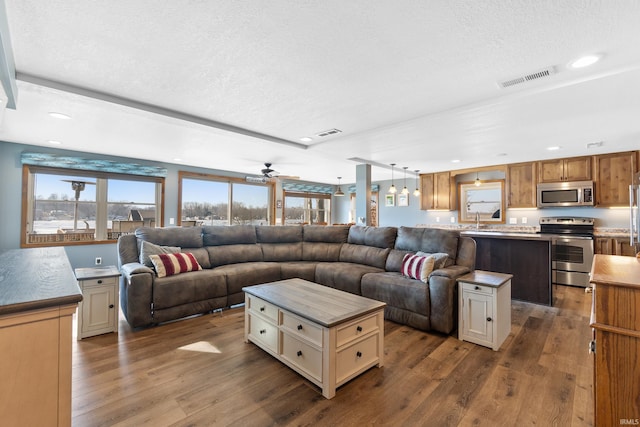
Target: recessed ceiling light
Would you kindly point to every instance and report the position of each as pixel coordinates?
(177, 159)
(501, 154)
(54, 142)
(306, 139)
(554, 148)
(585, 61)
(595, 144)
(455, 161)
(61, 116)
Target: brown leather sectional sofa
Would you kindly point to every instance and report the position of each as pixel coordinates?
(361, 260)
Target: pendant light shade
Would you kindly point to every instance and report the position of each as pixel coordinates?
(339, 191)
(478, 182)
(392, 189)
(405, 190)
(416, 192)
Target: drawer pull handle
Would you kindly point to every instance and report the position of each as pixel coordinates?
(299, 327)
(359, 354)
(99, 282)
(477, 288)
(489, 319)
(263, 331)
(299, 353)
(110, 305)
(262, 308)
(359, 328)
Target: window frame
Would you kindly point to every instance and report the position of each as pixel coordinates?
(228, 180)
(102, 202)
(307, 195)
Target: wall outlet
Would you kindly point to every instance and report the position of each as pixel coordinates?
(98, 260)
(524, 220)
(513, 220)
(452, 219)
(437, 219)
(172, 221)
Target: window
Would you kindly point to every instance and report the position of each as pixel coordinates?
(218, 200)
(307, 208)
(66, 206)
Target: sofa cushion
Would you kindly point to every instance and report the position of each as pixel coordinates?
(325, 233)
(397, 291)
(184, 237)
(298, 269)
(233, 254)
(187, 288)
(216, 235)
(248, 274)
(365, 255)
(429, 240)
(321, 251)
(417, 267)
(279, 234)
(201, 254)
(148, 248)
(344, 276)
(171, 264)
(281, 251)
(380, 237)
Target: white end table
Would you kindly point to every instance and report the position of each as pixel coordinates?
(98, 311)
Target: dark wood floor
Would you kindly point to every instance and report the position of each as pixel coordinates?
(541, 376)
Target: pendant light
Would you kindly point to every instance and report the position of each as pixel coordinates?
(416, 192)
(339, 191)
(405, 190)
(478, 182)
(392, 189)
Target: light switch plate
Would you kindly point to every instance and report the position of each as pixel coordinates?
(524, 220)
(513, 220)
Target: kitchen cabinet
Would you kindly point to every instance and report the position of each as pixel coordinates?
(613, 246)
(484, 308)
(614, 173)
(616, 339)
(569, 169)
(438, 192)
(521, 185)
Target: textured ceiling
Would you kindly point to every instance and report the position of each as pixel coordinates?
(412, 82)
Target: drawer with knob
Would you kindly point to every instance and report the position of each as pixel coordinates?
(353, 358)
(303, 355)
(473, 287)
(265, 332)
(302, 328)
(259, 306)
(354, 330)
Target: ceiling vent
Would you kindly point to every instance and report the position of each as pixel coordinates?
(329, 132)
(547, 72)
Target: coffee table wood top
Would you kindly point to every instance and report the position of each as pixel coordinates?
(320, 304)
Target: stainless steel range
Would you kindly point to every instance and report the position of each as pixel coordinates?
(571, 249)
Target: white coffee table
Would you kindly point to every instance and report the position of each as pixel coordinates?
(326, 335)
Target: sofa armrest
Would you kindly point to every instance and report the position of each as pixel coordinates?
(134, 268)
(443, 293)
(136, 293)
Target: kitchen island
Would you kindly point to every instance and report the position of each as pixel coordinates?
(38, 297)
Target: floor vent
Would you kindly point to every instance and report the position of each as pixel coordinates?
(329, 132)
(547, 72)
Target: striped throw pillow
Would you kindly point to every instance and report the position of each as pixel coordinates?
(170, 264)
(417, 267)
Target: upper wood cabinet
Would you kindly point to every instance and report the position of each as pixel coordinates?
(437, 191)
(570, 169)
(521, 185)
(614, 173)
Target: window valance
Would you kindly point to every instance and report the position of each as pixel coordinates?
(98, 165)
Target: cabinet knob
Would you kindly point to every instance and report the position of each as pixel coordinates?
(299, 353)
(477, 288)
(359, 328)
(110, 305)
(489, 319)
(261, 308)
(299, 327)
(359, 354)
(99, 282)
(263, 331)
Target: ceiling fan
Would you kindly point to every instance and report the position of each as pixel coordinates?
(269, 173)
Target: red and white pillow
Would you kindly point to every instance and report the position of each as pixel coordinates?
(417, 267)
(170, 264)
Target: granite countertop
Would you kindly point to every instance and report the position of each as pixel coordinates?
(36, 278)
(523, 232)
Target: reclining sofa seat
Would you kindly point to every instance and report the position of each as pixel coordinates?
(361, 260)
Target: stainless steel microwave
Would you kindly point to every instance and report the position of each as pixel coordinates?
(576, 193)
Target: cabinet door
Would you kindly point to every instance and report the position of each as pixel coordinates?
(622, 247)
(614, 174)
(444, 192)
(521, 181)
(603, 245)
(577, 169)
(551, 170)
(426, 191)
(98, 309)
(477, 317)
